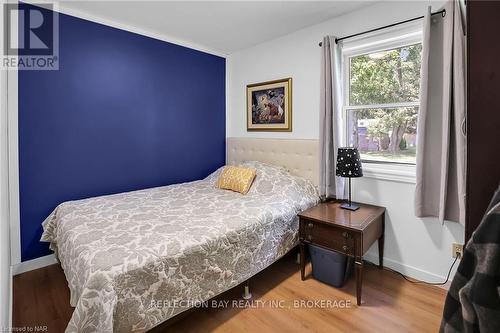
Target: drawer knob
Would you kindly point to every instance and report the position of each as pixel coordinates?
(345, 234)
(310, 225)
(345, 248)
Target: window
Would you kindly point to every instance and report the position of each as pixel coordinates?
(381, 101)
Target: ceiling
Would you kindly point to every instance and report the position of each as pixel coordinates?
(221, 26)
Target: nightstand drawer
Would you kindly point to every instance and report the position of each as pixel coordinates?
(330, 237)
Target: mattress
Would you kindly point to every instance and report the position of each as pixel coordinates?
(136, 259)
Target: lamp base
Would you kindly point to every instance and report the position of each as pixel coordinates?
(348, 206)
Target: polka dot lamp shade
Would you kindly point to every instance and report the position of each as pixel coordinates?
(349, 163)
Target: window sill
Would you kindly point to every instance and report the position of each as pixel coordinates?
(401, 173)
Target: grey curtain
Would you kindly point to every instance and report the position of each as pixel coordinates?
(330, 124)
(441, 145)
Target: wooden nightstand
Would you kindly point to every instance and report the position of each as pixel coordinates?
(344, 231)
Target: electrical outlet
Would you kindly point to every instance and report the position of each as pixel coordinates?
(457, 250)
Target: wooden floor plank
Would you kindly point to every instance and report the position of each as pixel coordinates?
(390, 304)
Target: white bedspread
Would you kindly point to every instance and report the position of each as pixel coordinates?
(135, 259)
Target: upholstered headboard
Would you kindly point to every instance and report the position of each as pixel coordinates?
(299, 156)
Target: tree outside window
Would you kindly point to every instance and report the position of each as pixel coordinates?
(382, 103)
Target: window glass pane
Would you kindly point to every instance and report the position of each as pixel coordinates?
(387, 134)
(391, 76)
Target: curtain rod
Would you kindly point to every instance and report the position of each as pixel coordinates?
(337, 40)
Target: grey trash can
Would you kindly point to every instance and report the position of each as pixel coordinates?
(330, 267)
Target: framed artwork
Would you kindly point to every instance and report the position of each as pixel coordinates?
(269, 106)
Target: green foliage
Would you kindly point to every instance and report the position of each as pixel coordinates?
(391, 76)
(403, 145)
(386, 77)
(388, 119)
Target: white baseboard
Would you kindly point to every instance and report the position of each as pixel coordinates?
(407, 270)
(30, 265)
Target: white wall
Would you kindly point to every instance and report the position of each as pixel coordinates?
(420, 248)
(5, 275)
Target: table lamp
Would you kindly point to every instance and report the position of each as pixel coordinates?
(349, 166)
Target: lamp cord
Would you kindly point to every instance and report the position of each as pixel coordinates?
(421, 282)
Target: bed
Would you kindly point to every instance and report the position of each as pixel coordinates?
(133, 260)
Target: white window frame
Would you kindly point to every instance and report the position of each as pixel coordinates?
(401, 36)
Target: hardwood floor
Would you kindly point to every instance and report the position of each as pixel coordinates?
(390, 304)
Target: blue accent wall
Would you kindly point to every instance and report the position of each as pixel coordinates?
(123, 112)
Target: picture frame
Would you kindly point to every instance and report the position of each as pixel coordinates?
(269, 106)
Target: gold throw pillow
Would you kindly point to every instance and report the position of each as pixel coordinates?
(236, 179)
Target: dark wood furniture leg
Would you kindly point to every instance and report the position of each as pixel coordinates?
(381, 252)
(359, 280)
(302, 262)
(381, 245)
